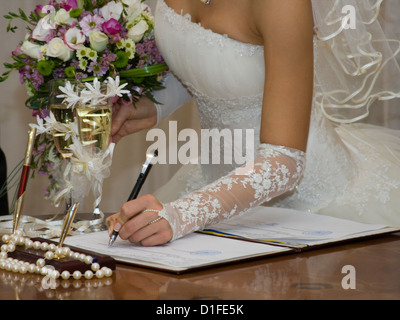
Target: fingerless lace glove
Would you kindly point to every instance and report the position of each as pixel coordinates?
(274, 171)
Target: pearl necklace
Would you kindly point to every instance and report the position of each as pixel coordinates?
(52, 252)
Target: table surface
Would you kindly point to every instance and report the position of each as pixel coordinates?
(315, 274)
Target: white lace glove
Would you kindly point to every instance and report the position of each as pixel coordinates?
(174, 96)
(275, 170)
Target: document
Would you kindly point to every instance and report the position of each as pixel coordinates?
(266, 231)
(292, 228)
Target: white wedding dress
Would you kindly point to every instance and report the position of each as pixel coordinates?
(351, 170)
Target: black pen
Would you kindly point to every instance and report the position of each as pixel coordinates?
(138, 185)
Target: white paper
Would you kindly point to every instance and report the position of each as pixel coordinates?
(194, 250)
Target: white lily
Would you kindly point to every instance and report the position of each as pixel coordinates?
(114, 89)
(69, 95)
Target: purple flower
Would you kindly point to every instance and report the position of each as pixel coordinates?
(112, 27)
(91, 23)
(98, 69)
(42, 113)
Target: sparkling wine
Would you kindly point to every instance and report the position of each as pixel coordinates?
(66, 116)
(95, 126)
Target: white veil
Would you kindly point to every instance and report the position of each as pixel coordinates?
(355, 63)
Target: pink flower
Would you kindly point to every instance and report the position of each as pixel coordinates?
(112, 27)
(91, 23)
(70, 4)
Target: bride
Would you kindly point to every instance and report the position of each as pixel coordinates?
(301, 74)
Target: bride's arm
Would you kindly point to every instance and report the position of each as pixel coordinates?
(286, 28)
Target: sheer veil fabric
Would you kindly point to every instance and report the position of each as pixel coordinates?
(355, 62)
(350, 169)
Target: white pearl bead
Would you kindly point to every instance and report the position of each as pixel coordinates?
(10, 247)
(88, 274)
(76, 255)
(40, 263)
(55, 274)
(44, 271)
(32, 268)
(99, 274)
(28, 243)
(44, 246)
(52, 247)
(88, 260)
(3, 255)
(49, 255)
(23, 269)
(65, 275)
(77, 275)
(108, 272)
(14, 267)
(21, 241)
(66, 251)
(36, 245)
(5, 238)
(19, 232)
(95, 267)
(4, 248)
(59, 252)
(82, 257)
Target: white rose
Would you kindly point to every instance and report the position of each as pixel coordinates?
(74, 38)
(62, 17)
(58, 49)
(32, 50)
(112, 10)
(137, 32)
(42, 29)
(98, 40)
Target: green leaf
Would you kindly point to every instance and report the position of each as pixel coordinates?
(144, 72)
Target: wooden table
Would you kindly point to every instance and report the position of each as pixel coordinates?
(314, 274)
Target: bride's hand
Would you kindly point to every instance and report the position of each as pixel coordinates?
(129, 118)
(139, 222)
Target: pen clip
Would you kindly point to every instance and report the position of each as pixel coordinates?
(151, 156)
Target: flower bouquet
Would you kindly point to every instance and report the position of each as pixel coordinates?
(91, 43)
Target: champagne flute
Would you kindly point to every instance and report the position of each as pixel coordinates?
(65, 116)
(94, 127)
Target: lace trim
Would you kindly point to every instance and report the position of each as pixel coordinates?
(206, 36)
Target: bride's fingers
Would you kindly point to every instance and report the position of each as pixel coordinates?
(131, 229)
(153, 234)
(121, 114)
